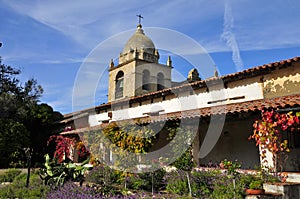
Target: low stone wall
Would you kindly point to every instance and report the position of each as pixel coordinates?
(287, 189)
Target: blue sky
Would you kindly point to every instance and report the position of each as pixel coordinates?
(49, 40)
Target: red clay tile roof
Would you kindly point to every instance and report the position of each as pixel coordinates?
(279, 102)
(248, 106)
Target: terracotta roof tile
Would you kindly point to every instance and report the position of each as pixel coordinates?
(279, 102)
(244, 107)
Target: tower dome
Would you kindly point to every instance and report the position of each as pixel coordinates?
(139, 41)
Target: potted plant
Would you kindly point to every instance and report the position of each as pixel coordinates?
(255, 187)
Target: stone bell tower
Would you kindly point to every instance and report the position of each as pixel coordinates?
(138, 71)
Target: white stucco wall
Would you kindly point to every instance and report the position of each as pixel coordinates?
(206, 99)
(93, 121)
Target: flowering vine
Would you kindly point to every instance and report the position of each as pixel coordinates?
(82, 150)
(64, 145)
(268, 132)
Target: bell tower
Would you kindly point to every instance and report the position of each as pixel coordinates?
(138, 71)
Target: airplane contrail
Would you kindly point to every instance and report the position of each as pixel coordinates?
(229, 37)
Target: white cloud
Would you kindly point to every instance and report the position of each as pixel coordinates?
(90, 25)
(266, 25)
(92, 22)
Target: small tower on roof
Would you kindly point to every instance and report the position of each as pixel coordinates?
(193, 75)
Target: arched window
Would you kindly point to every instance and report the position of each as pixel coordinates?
(119, 84)
(160, 81)
(146, 80)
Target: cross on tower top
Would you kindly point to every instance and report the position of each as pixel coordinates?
(140, 18)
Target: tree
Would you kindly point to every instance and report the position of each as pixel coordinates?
(16, 99)
(13, 138)
(23, 122)
(41, 122)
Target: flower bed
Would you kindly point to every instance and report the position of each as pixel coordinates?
(103, 182)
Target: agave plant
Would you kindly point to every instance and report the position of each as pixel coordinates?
(56, 174)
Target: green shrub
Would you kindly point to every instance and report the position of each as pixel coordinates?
(103, 179)
(226, 186)
(110, 179)
(256, 184)
(185, 161)
(177, 182)
(102, 174)
(143, 181)
(9, 175)
(202, 183)
(246, 179)
(139, 181)
(18, 188)
(231, 166)
(178, 186)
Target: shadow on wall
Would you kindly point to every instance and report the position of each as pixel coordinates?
(233, 144)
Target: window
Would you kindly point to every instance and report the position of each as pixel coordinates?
(160, 81)
(146, 80)
(119, 85)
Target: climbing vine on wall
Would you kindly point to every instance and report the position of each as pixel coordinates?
(132, 138)
(124, 141)
(64, 147)
(269, 132)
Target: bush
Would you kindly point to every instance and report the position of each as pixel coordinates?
(205, 184)
(109, 180)
(9, 175)
(103, 179)
(177, 182)
(143, 181)
(139, 181)
(246, 179)
(18, 188)
(102, 175)
(202, 183)
(231, 166)
(185, 161)
(224, 187)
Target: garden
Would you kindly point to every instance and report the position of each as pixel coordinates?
(60, 177)
(72, 181)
